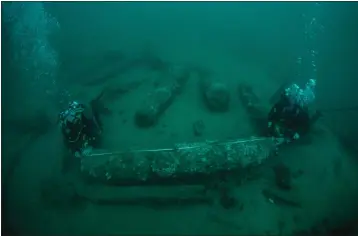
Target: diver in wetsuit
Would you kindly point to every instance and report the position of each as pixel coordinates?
(80, 128)
(289, 118)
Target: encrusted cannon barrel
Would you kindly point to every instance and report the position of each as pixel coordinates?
(160, 99)
(183, 164)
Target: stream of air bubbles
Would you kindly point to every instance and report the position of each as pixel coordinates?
(31, 27)
(307, 59)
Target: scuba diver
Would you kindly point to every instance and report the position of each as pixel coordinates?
(80, 127)
(289, 118)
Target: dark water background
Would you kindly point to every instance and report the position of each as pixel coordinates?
(270, 36)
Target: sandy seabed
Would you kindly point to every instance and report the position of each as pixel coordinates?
(326, 189)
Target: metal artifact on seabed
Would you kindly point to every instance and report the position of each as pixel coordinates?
(186, 163)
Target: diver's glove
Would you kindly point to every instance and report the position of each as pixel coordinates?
(286, 140)
(279, 141)
(78, 154)
(87, 151)
(296, 136)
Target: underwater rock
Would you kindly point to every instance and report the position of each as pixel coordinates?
(198, 128)
(216, 95)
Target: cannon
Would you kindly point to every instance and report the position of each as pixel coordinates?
(160, 99)
(182, 164)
